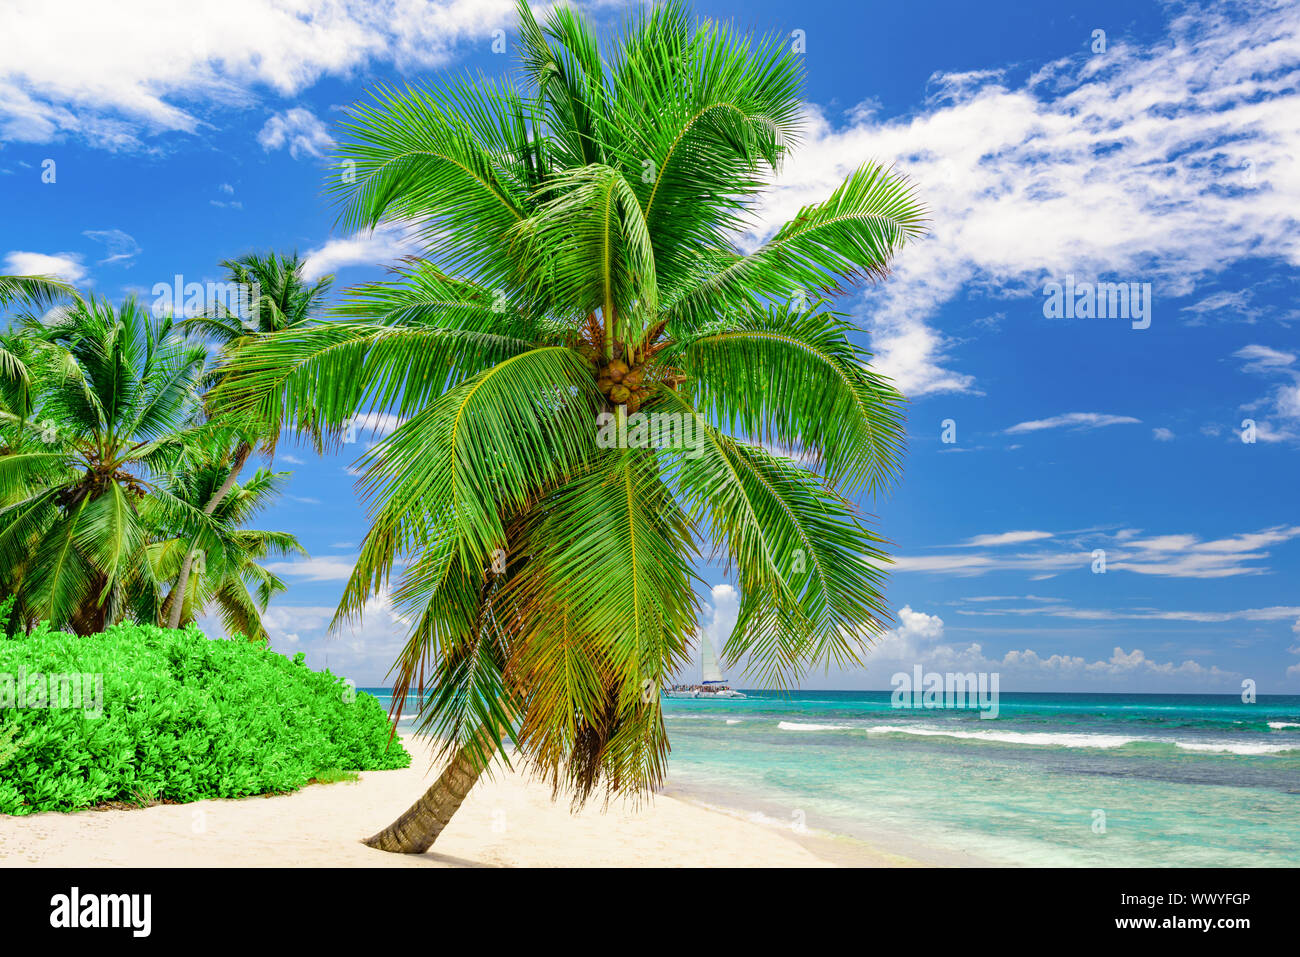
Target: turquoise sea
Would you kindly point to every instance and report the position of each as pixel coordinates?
(1097, 780)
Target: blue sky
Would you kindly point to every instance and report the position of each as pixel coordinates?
(1138, 143)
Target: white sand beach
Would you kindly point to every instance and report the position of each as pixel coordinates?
(508, 821)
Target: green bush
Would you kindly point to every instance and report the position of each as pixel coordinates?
(182, 718)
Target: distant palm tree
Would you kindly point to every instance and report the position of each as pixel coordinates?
(581, 259)
(37, 292)
(113, 405)
(284, 300)
(229, 576)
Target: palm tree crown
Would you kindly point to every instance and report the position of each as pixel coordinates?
(280, 298)
(229, 577)
(580, 268)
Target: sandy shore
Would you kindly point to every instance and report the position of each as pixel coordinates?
(507, 821)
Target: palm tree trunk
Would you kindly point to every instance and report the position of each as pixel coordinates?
(177, 597)
(416, 830)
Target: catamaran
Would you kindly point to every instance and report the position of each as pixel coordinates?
(712, 685)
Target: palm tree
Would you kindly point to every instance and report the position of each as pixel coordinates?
(580, 274)
(113, 405)
(229, 577)
(284, 300)
(37, 292)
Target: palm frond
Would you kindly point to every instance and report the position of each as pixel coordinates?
(852, 235)
(797, 380)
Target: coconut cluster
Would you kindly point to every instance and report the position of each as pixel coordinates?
(622, 384)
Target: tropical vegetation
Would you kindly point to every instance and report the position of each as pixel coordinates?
(115, 482)
(140, 714)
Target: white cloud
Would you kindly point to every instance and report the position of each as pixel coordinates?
(121, 247)
(1073, 420)
(314, 569)
(362, 649)
(1006, 538)
(1165, 163)
(1282, 404)
(918, 640)
(1262, 358)
(1276, 613)
(1161, 434)
(65, 266)
(1223, 304)
(1174, 556)
(916, 632)
(138, 67)
(720, 614)
(387, 243)
(966, 564)
(228, 190)
(376, 424)
(1119, 665)
(299, 129)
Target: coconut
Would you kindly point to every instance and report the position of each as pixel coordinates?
(632, 379)
(616, 369)
(620, 393)
(604, 384)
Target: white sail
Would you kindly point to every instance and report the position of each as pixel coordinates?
(708, 661)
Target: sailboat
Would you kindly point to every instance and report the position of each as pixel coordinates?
(712, 685)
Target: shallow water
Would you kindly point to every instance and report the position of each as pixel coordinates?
(1098, 780)
(1055, 779)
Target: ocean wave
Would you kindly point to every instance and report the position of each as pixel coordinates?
(1076, 740)
(800, 726)
(733, 721)
(1279, 725)
(1016, 737)
(1236, 748)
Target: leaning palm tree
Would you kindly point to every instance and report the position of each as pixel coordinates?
(229, 577)
(114, 399)
(596, 388)
(284, 300)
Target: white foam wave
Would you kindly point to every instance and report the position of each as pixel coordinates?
(1235, 748)
(1074, 740)
(800, 726)
(1015, 737)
